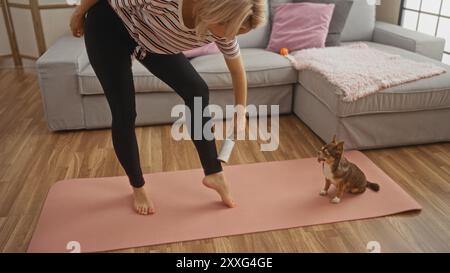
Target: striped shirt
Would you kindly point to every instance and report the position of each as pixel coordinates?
(157, 26)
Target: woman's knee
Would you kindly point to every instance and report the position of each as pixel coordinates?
(124, 118)
(199, 90)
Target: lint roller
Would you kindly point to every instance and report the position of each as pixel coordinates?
(227, 148)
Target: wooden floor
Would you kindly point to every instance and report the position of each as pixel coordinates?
(32, 159)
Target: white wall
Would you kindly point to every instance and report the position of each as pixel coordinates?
(55, 22)
(53, 31)
(24, 29)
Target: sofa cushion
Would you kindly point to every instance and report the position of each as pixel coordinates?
(207, 49)
(300, 25)
(429, 93)
(263, 68)
(360, 22)
(337, 24)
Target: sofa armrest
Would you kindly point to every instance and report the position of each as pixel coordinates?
(58, 71)
(394, 35)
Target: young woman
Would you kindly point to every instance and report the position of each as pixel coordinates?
(155, 32)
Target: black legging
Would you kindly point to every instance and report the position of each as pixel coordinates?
(109, 47)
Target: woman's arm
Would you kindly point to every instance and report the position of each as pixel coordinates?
(77, 19)
(233, 59)
(85, 5)
(239, 78)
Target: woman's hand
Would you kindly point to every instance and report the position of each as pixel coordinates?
(239, 121)
(77, 23)
(239, 78)
(77, 19)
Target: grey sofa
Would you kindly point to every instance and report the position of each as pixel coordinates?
(412, 113)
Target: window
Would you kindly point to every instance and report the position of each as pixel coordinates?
(430, 17)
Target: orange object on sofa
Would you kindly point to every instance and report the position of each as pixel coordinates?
(284, 51)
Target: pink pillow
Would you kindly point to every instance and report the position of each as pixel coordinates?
(300, 25)
(207, 49)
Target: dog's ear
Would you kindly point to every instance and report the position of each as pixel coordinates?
(334, 139)
(340, 146)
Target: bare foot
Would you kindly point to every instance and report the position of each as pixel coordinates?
(142, 203)
(216, 181)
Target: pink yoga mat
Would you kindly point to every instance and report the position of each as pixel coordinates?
(96, 214)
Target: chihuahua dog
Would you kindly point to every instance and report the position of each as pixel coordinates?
(340, 172)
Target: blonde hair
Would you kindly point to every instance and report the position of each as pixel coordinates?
(235, 14)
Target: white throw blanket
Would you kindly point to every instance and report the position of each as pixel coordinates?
(359, 70)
